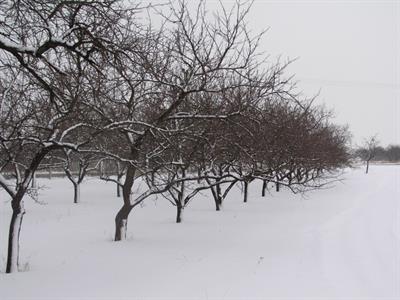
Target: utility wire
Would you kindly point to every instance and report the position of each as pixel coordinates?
(350, 83)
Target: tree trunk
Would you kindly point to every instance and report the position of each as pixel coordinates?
(19, 211)
(180, 202)
(121, 222)
(34, 188)
(120, 173)
(277, 184)
(216, 193)
(118, 191)
(217, 199)
(217, 205)
(121, 219)
(264, 187)
(246, 188)
(219, 196)
(14, 234)
(77, 193)
(198, 175)
(34, 181)
(367, 168)
(179, 212)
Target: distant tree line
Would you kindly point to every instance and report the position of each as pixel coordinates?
(186, 106)
(389, 153)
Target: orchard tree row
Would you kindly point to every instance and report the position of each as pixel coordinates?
(183, 100)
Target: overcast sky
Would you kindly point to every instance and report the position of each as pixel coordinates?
(347, 50)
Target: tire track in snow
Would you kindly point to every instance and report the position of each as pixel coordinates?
(358, 249)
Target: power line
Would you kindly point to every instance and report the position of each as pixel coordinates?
(350, 83)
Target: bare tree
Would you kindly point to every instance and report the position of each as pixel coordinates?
(393, 153)
(187, 107)
(76, 166)
(369, 150)
(167, 73)
(51, 45)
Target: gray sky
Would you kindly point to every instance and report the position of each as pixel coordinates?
(347, 50)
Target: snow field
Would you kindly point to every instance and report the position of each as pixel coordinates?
(339, 243)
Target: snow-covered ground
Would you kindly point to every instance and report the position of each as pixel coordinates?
(340, 243)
